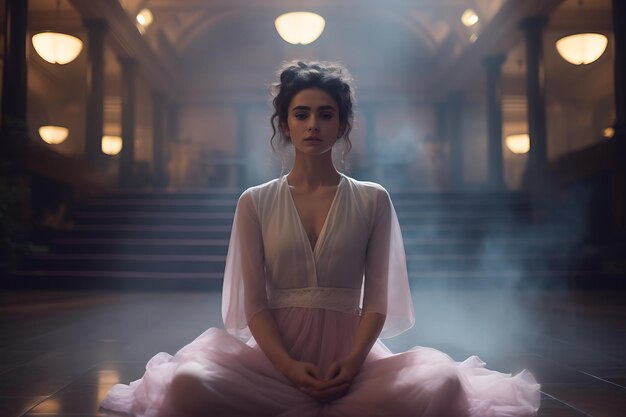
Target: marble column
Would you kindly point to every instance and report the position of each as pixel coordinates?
(454, 106)
(127, 157)
(158, 141)
(495, 171)
(536, 97)
(14, 75)
(96, 32)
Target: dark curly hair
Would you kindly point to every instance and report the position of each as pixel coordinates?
(296, 76)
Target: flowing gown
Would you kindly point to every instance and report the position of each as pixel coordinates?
(316, 296)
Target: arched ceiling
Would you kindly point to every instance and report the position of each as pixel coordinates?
(213, 45)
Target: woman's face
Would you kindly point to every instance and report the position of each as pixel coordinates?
(313, 121)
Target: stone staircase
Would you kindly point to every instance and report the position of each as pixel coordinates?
(178, 241)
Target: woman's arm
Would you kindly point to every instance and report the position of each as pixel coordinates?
(368, 331)
(265, 331)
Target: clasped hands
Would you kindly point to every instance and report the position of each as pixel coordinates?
(324, 388)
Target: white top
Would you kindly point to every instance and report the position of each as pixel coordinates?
(358, 263)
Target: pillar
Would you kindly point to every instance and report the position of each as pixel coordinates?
(14, 74)
(618, 181)
(619, 34)
(454, 106)
(158, 141)
(241, 154)
(127, 156)
(495, 172)
(536, 98)
(96, 31)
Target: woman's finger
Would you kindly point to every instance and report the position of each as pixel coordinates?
(312, 370)
(333, 371)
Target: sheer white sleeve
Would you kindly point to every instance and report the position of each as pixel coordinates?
(244, 292)
(386, 287)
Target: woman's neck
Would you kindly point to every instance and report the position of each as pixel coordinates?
(312, 171)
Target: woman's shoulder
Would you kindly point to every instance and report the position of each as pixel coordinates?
(367, 187)
(264, 188)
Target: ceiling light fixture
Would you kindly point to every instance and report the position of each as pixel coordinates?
(53, 135)
(145, 18)
(469, 18)
(518, 144)
(300, 27)
(582, 48)
(111, 145)
(55, 47)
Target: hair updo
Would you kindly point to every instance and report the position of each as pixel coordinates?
(329, 77)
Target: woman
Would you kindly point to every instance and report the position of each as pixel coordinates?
(315, 274)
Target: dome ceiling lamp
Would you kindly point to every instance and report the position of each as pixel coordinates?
(469, 18)
(300, 27)
(518, 144)
(582, 48)
(111, 145)
(144, 19)
(53, 135)
(55, 47)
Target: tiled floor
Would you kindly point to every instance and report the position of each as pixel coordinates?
(60, 352)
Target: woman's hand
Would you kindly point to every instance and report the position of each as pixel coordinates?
(338, 379)
(305, 376)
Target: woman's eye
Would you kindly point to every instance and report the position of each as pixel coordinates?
(326, 116)
(300, 116)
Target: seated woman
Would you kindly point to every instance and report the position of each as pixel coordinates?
(315, 276)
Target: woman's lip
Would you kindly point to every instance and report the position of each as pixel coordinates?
(312, 138)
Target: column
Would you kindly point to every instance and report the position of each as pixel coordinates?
(618, 181)
(241, 154)
(158, 141)
(454, 105)
(619, 33)
(369, 166)
(493, 69)
(536, 98)
(14, 75)
(127, 157)
(172, 122)
(440, 166)
(96, 31)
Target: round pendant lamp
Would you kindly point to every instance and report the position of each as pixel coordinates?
(300, 27)
(111, 145)
(57, 48)
(582, 48)
(518, 144)
(53, 134)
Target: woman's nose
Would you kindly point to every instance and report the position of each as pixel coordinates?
(312, 125)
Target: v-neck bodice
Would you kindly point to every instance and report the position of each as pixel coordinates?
(358, 258)
(329, 213)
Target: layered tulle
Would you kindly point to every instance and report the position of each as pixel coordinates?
(239, 380)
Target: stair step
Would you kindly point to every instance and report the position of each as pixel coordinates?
(424, 280)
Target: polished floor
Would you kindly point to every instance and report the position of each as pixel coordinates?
(61, 351)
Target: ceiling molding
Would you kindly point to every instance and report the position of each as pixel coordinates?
(195, 5)
(498, 36)
(128, 42)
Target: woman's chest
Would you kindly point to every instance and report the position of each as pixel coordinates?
(313, 209)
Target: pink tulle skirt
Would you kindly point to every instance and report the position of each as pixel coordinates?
(239, 380)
